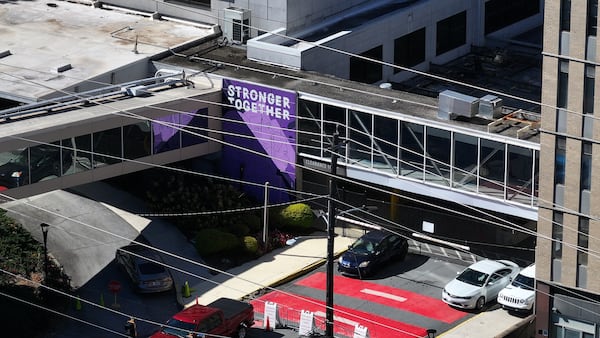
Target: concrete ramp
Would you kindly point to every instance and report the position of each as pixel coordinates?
(83, 234)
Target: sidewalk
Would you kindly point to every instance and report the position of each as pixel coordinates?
(271, 269)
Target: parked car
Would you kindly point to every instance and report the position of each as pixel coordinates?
(519, 295)
(479, 284)
(223, 317)
(370, 252)
(146, 275)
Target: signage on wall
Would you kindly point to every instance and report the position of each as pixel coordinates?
(260, 137)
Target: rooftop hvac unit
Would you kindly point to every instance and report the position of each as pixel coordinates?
(453, 104)
(236, 25)
(490, 107)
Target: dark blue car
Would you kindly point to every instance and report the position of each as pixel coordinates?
(370, 252)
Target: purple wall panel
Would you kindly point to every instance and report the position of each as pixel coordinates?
(266, 119)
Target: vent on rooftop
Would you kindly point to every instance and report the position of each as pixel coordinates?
(63, 68)
(5, 53)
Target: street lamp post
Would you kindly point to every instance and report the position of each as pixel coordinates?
(45, 227)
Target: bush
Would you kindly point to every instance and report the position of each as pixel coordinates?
(212, 241)
(298, 215)
(250, 244)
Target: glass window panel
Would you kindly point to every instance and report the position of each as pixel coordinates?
(13, 168)
(465, 162)
(366, 71)
(409, 50)
(557, 234)
(520, 181)
(588, 89)
(491, 170)
(81, 147)
(44, 162)
(438, 156)
(359, 145)
(67, 156)
(334, 118)
(411, 150)
(586, 166)
(451, 33)
(385, 144)
(583, 240)
(166, 135)
(592, 17)
(136, 140)
(107, 147)
(195, 126)
(559, 161)
(309, 127)
(563, 84)
(565, 15)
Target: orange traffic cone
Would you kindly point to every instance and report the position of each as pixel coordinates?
(267, 326)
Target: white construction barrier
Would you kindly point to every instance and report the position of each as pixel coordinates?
(360, 331)
(271, 320)
(307, 323)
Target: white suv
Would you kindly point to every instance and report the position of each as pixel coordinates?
(520, 294)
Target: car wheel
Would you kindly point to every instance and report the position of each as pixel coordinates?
(480, 303)
(241, 332)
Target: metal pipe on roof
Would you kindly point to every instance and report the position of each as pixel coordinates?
(82, 97)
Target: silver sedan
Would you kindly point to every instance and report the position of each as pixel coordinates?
(479, 284)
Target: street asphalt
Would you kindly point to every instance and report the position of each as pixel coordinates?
(82, 238)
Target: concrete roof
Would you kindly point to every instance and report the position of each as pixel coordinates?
(231, 62)
(42, 36)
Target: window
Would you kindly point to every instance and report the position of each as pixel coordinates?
(586, 166)
(565, 15)
(502, 13)
(582, 241)
(409, 50)
(365, 71)
(557, 238)
(592, 17)
(563, 84)
(559, 161)
(588, 89)
(451, 33)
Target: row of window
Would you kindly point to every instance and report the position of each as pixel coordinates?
(419, 152)
(451, 33)
(90, 151)
(583, 231)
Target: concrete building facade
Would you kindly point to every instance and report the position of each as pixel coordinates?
(567, 262)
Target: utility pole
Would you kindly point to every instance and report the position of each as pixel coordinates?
(330, 236)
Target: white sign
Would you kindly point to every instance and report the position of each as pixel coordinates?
(360, 331)
(428, 227)
(307, 322)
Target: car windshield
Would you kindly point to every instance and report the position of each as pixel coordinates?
(178, 328)
(523, 282)
(363, 246)
(148, 268)
(473, 277)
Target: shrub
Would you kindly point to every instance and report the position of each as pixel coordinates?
(250, 244)
(298, 215)
(212, 241)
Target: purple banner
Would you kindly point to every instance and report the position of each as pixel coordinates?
(260, 137)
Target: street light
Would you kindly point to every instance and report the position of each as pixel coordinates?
(45, 227)
(431, 333)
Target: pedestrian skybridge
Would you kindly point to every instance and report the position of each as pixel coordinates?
(104, 133)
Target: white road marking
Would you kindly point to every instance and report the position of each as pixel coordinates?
(337, 318)
(384, 295)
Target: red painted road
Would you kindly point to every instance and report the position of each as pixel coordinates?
(401, 299)
(345, 318)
